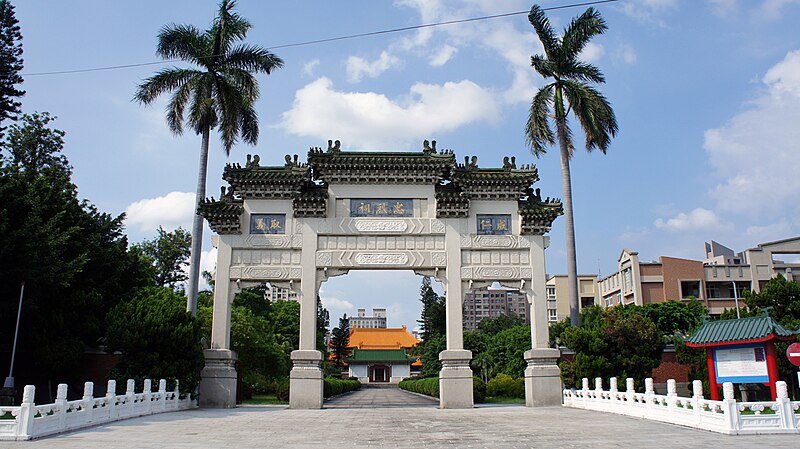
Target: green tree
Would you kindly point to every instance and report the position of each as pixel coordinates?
(432, 320)
(507, 348)
(428, 351)
(492, 326)
(570, 91)
(323, 321)
(11, 64)
(221, 94)
(157, 338)
(73, 258)
(169, 254)
(340, 340)
(261, 357)
(284, 321)
(556, 333)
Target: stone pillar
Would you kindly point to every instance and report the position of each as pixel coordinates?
(542, 376)
(455, 378)
(218, 379)
(305, 379)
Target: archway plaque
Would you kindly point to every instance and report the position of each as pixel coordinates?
(299, 224)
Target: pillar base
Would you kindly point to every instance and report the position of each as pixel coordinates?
(305, 380)
(218, 379)
(455, 379)
(542, 378)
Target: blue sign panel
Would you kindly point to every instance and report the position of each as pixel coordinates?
(741, 364)
(494, 224)
(381, 208)
(268, 223)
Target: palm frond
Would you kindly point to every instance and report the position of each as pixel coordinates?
(252, 58)
(581, 30)
(202, 113)
(543, 66)
(162, 82)
(594, 113)
(538, 133)
(244, 82)
(228, 27)
(582, 71)
(229, 104)
(183, 42)
(177, 106)
(544, 30)
(249, 123)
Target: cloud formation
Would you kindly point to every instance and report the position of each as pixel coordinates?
(373, 121)
(170, 211)
(358, 67)
(698, 219)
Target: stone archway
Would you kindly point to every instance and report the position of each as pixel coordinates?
(299, 224)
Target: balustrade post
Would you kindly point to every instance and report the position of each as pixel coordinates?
(649, 393)
(672, 393)
(697, 399)
(177, 393)
(148, 394)
(598, 388)
(630, 391)
(130, 394)
(585, 390)
(27, 411)
(61, 406)
(784, 406)
(729, 407)
(162, 394)
(111, 399)
(88, 400)
(613, 388)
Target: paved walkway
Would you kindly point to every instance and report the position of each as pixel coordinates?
(396, 427)
(380, 395)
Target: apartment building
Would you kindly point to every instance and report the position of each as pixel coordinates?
(558, 295)
(363, 321)
(273, 294)
(491, 302)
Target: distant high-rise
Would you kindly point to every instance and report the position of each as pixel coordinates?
(273, 294)
(491, 302)
(376, 321)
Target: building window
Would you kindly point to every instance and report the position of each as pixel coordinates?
(268, 223)
(552, 315)
(494, 224)
(690, 289)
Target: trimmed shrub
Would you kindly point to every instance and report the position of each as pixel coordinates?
(423, 385)
(478, 389)
(333, 386)
(506, 386)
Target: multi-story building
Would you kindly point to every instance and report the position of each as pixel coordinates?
(718, 281)
(376, 321)
(492, 302)
(273, 294)
(558, 295)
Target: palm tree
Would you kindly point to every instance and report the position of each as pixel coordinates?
(569, 92)
(219, 93)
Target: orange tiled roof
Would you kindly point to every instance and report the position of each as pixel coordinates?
(386, 338)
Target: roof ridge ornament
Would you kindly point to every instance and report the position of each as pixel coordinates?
(509, 165)
(429, 147)
(253, 161)
(334, 146)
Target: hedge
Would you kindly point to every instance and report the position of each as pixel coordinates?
(430, 386)
(334, 386)
(506, 386)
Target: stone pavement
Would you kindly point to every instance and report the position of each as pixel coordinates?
(380, 395)
(412, 426)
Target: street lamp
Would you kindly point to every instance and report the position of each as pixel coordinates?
(736, 298)
(9, 382)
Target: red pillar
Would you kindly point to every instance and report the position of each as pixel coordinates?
(772, 367)
(712, 375)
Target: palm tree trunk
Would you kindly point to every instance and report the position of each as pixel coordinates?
(566, 187)
(197, 227)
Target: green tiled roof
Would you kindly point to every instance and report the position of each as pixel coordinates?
(753, 329)
(380, 355)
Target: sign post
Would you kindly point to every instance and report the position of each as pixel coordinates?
(793, 354)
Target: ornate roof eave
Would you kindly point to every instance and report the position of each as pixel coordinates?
(223, 215)
(538, 215)
(495, 184)
(255, 181)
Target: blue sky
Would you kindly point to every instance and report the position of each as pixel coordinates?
(707, 95)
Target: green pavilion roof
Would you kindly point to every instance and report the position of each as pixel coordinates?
(380, 355)
(744, 330)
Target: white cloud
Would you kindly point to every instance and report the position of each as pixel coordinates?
(648, 11)
(358, 67)
(444, 54)
(698, 219)
(336, 305)
(170, 211)
(372, 121)
(592, 52)
(308, 68)
(754, 155)
(773, 9)
(627, 54)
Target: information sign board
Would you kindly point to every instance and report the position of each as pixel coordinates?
(741, 364)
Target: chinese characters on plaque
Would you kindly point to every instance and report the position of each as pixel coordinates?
(268, 224)
(381, 208)
(494, 224)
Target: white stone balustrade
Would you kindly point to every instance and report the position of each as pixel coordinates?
(726, 416)
(28, 420)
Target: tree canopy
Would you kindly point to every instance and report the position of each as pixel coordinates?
(11, 64)
(340, 340)
(168, 253)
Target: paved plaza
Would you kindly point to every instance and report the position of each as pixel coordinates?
(408, 422)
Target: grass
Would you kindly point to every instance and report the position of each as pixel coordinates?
(263, 399)
(503, 400)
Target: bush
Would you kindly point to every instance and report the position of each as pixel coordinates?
(282, 388)
(423, 385)
(333, 386)
(255, 383)
(478, 389)
(506, 386)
